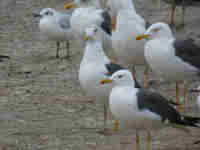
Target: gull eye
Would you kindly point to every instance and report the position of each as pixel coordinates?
(120, 76)
(48, 13)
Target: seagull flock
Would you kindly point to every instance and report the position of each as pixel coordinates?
(114, 38)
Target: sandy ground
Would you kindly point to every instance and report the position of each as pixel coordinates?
(42, 106)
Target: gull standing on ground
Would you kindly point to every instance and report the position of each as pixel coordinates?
(141, 109)
(94, 66)
(56, 26)
(174, 60)
(89, 12)
(126, 24)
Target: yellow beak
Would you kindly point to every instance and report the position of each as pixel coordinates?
(86, 38)
(105, 81)
(114, 22)
(70, 5)
(142, 36)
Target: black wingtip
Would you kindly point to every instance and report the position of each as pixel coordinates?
(36, 15)
(197, 142)
(3, 57)
(191, 121)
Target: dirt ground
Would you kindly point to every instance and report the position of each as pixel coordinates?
(42, 106)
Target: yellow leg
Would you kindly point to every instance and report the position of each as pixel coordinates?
(184, 98)
(137, 141)
(114, 22)
(116, 125)
(148, 143)
(146, 77)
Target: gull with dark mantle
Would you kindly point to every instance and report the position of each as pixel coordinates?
(173, 59)
(143, 110)
(94, 66)
(56, 27)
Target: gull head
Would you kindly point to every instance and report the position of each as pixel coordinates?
(93, 33)
(121, 77)
(157, 30)
(45, 12)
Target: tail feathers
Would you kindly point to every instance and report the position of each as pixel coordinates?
(190, 121)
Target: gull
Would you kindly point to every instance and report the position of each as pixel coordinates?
(56, 26)
(141, 109)
(89, 12)
(173, 59)
(126, 24)
(94, 66)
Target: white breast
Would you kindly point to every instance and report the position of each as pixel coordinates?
(123, 105)
(90, 76)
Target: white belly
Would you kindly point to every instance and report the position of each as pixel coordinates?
(124, 108)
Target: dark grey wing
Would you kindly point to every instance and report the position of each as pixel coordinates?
(159, 105)
(106, 24)
(64, 22)
(188, 51)
(112, 68)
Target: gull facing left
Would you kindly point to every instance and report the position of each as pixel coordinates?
(56, 26)
(94, 66)
(141, 109)
(173, 59)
